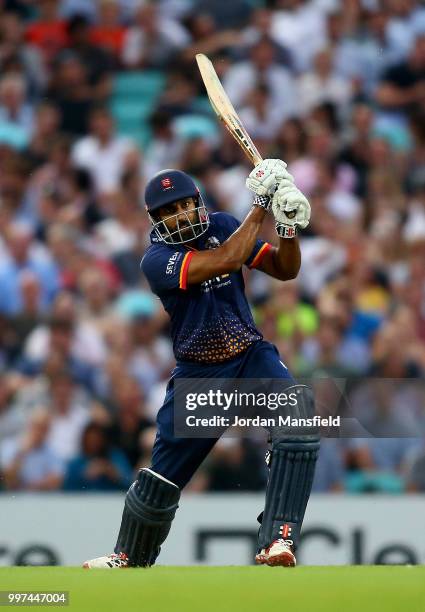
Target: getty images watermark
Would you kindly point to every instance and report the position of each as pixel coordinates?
(211, 407)
(360, 407)
(272, 401)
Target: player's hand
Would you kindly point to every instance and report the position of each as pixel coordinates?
(290, 208)
(266, 175)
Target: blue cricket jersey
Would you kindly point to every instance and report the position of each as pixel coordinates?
(211, 322)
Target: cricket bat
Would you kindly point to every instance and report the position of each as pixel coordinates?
(224, 109)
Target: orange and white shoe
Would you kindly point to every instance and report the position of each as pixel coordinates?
(114, 561)
(278, 553)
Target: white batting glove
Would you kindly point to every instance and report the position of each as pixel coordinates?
(266, 175)
(290, 208)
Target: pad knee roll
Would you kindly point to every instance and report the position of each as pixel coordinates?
(300, 412)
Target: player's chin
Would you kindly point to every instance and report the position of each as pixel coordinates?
(187, 232)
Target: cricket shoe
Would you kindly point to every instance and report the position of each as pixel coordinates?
(114, 561)
(278, 553)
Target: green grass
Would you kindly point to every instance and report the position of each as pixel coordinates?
(221, 589)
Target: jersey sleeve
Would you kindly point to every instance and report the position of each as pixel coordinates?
(165, 269)
(260, 248)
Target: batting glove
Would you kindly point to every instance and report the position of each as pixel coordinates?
(291, 209)
(266, 175)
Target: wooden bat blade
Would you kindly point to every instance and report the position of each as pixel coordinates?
(224, 109)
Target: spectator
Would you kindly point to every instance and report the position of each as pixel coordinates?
(328, 352)
(103, 153)
(236, 465)
(207, 38)
(18, 56)
(416, 472)
(290, 140)
(13, 108)
(22, 255)
(29, 315)
(165, 149)
(363, 50)
(50, 182)
(406, 21)
(131, 419)
(69, 415)
(153, 39)
(96, 292)
(323, 84)
(402, 87)
(48, 31)
(243, 76)
(12, 416)
(99, 62)
(46, 124)
(329, 473)
(30, 463)
(260, 117)
(108, 33)
(71, 90)
(296, 20)
(77, 340)
(98, 467)
(261, 26)
(234, 14)
(13, 184)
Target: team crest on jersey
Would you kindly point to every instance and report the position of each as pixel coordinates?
(166, 183)
(212, 243)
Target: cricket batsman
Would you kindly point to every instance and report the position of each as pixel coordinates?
(194, 265)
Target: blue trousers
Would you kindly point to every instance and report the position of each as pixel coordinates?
(178, 458)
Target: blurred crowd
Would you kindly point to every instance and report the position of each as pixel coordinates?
(336, 89)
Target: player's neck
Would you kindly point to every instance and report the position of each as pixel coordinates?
(192, 245)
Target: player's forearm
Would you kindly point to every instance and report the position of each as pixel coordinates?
(232, 254)
(288, 257)
(283, 262)
(239, 246)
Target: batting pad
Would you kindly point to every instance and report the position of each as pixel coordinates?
(150, 506)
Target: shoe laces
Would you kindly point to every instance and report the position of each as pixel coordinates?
(288, 543)
(118, 559)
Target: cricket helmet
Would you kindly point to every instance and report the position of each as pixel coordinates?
(167, 187)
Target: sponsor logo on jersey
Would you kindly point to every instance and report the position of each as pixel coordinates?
(216, 283)
(172, 262)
